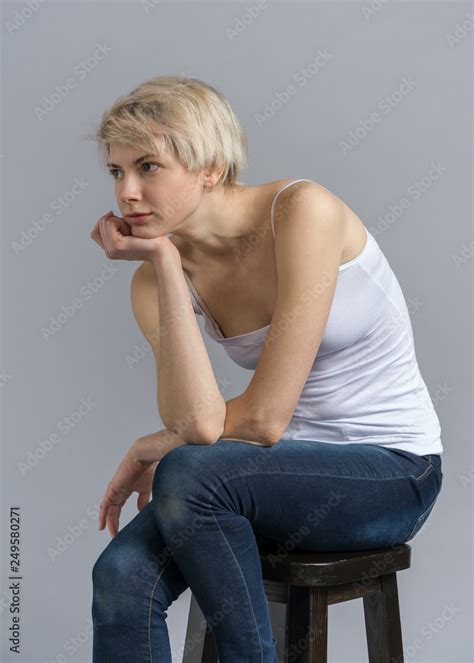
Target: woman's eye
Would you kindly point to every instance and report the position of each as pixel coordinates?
(114, 171)
(150, 163)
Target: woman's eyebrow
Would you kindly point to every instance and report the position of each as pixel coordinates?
(145, 156)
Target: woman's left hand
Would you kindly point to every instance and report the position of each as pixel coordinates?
(130, 476)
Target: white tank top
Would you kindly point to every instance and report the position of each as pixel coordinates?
(365, 385)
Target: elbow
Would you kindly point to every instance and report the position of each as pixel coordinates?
(272, 431)
(267, 424)
(272, 438)
(198, 428)
(211, 431)
(209, 437)
(206, 433)
(197, 432)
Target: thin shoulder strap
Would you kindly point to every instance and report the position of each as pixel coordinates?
(285, 186)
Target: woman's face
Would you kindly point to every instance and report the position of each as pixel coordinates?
(148, 184)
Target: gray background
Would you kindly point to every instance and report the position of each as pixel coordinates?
(76, 384)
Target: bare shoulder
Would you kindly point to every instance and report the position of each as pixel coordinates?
(315, 196)
(307, 195)
(309, 190)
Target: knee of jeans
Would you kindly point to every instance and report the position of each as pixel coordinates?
(117, 569)
(178, 483)
(180, 472)
(110, 568)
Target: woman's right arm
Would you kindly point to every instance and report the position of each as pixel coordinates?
(188, 398)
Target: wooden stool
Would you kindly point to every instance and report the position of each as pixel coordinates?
(308, 582)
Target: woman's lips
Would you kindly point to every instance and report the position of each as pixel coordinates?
(138, 219)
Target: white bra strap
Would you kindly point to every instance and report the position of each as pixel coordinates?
(285, 186)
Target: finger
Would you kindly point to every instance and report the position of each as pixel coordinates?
(105, 508)
(103, 232)
(114, 518)
(117, 227)
(108, 524)
(95, 234)
(102, 515)
(124, 227)
(106, 229)
(109, 233)
(111, 506)
(115, 233)
(111, 528)
(142, 500)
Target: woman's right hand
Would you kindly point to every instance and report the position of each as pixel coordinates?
(114, 235)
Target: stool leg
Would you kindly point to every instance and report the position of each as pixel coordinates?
(199, 642)
(382, 623)
(209, 653)
(195, 632)
(307, 625)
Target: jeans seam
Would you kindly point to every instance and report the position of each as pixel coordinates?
(316, 474)
(150, 604)
(428, 470)
(244, 581)
(420, 517)
(224, 480)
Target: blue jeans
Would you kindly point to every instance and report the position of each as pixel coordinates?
(212, 504)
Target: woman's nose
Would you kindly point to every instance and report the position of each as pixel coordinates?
(129, 190)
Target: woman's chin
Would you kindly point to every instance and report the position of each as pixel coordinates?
(146, 233)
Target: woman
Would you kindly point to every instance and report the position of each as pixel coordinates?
(335, 442)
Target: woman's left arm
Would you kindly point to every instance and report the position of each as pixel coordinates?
(153, 447)
(135, 474)
(309, 243)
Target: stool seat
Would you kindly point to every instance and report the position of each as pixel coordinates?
(307, 583)
(331, 568)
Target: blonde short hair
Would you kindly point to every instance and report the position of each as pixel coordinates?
(186, 116)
